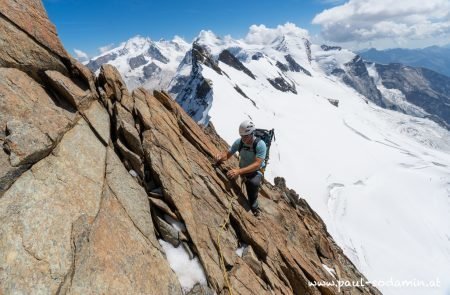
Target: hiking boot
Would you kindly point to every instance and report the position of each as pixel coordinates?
(256, 212)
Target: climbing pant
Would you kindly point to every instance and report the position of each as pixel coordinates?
(252, 183)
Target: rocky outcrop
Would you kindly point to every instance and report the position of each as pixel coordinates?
(294, 66)
(421, 87)
(31, 123)
(194, 91)
(282, 66)
(281, 84)
(137, 61)
(93, 176)
(229, 59)
(257, 56)
(357, 77)
(28, 38)
(155, 53)
(328, 48)
(201, 55)
(73, 219)
(151, 70)
(31, 17)
(95, 64)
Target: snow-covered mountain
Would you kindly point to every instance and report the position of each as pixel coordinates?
(416, 91)
(144, 62)
(379, 178)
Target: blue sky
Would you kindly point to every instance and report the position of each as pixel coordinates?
(88, 25)
(354, 24)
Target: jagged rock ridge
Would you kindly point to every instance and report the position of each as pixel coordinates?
(90, 172)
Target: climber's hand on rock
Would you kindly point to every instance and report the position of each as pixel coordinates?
(218, 158)
(233, 173)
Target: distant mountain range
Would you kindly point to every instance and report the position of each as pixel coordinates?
(434, 57)
(144, 62)
(397, 79)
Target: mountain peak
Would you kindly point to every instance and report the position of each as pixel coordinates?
(208, 38)
(137, 43)
(179, 40)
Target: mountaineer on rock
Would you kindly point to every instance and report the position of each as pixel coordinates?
(252, 155)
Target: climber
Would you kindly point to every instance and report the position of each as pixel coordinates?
(252, 152)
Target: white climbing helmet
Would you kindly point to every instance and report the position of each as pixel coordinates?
(246, 128)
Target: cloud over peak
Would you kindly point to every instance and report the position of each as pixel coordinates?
(260, 34)
(369, 20)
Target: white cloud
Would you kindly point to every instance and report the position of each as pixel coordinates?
(399, 21)
(105, 48)
(80, 54)
(263, 35)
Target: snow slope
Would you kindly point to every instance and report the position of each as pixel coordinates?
(379, 179)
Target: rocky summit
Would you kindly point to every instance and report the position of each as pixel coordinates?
(95, 179)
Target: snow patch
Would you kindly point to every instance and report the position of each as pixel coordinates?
(178, 225)
(329, 270)
(188, 271)
(133, 173)
(240, 250)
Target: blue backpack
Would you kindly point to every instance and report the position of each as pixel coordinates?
(261, 134)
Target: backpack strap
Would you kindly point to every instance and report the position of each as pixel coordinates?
(255, 143)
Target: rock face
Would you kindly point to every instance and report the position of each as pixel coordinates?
(294, 66)
(421, 87)
(92, 176)
(196, 93)
(28, 38)
(95, 64)
(31, 124)
(358, 78)
(229, 59)
(137, 61)
(281, 84)
(73, 219)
